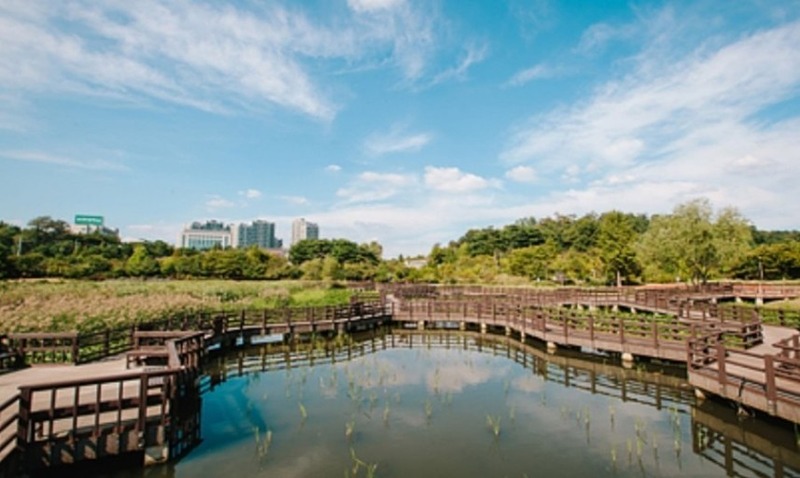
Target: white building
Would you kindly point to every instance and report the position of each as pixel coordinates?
(206, 235)
(302, 229)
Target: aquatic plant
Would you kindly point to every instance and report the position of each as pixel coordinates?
(494, 424)
(262, 444)
(303, 412)
(369, 468)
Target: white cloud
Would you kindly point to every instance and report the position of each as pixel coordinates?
(333, 168)
(453, 180)
(522, 174)
(474, 54)
(295, 200)
(47, 158)
(370, 186)
(595, 38)
(653, 113)
(537, 72)
(373, 5)
(250, 194)
(396, 141)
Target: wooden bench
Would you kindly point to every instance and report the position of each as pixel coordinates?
(141, 355)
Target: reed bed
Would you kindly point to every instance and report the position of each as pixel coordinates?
(67, 305)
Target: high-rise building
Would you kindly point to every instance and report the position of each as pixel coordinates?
(206, 235)
(302, 229)
(259, 233)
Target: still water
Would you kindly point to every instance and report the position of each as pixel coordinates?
(467, 405)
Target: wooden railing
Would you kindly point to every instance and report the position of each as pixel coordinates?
(187, 351)
(72, 411)
(9, 413)
(48, 347)
(766, 382)
(77, 348)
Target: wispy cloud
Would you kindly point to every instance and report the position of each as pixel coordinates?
(595, 38)
(474, 54)
(333, 168)
(64, 161)
(214, 57)
(537, 72)
(374, 5)
(396, 141)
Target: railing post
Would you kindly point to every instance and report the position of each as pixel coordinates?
(655, 333)
(769, 386)
(24, 428)
(107, 343)
(721, 374)
(142, 419)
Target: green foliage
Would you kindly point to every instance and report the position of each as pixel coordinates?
(692, 243)
(141, 263)
(533, 262)
(615, 241)
(771, 262)
(336, 259)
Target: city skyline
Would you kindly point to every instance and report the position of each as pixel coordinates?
(401, 121)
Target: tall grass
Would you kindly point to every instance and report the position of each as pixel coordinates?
(67, 305)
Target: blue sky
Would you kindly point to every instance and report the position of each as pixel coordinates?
(402, 121)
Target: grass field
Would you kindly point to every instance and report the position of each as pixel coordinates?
(64, 305)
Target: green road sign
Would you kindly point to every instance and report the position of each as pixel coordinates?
(84, 220)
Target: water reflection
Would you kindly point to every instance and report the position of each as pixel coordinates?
(460, 404)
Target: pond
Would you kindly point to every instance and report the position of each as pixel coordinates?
(407, 404)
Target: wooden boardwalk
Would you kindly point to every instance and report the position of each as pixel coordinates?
(738, 358)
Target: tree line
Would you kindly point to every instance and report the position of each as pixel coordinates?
(694, 243)
(47, 248)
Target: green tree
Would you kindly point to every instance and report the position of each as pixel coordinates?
(8, 238)
(616, 238)
(775, 261)
(532, 262)
(733, 239)
(691, 243)
(141, 263)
